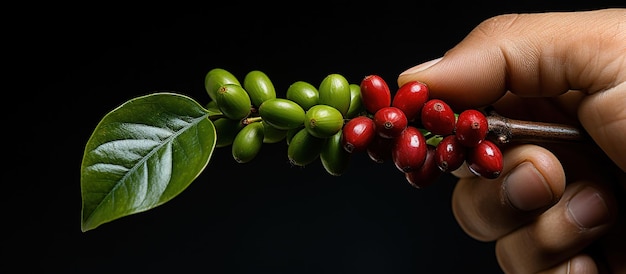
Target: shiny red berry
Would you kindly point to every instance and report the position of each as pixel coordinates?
(410, 98)
(450, 154)
(358, 133)
(438, 117)
(379, 149)
(390, 122)
(409, 149)
(485, 160)
(471, 127)
(428, 173)
(375, 93)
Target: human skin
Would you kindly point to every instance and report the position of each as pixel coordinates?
(556, 207)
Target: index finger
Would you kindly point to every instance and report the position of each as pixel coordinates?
(532, 55)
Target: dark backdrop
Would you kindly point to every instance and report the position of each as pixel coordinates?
(73, 64)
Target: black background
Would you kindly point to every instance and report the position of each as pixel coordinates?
(70, 65)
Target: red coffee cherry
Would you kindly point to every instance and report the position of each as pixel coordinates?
(450, 154)
(428, 173)
(379, 149)
(358, 133)
(390, 121)
(410, 98)
(437, 117)
(485, 160)
(471, 127)
(409, 149)
(375, 93)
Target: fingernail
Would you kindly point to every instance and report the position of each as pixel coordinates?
(526, 188)
(588, 208)
(421, 66)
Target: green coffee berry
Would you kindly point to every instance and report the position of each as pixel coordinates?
(303, 93)
(333, 156)
(292, 132)
(304, 148)
(233, 101)
(282, 113)
(323, 121)
(356, 104)
(259, 87)
(248, 142)
(226, 129)
(272, 134)
(335, 91)
(216, 78)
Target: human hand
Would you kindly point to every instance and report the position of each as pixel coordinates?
(556, 207)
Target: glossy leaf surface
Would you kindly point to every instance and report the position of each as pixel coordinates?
(142, 154)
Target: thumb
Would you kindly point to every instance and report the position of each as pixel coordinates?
(541, 55)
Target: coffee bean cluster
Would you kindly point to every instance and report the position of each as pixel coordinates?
(309, 119)
(336, 119)
(421, 135)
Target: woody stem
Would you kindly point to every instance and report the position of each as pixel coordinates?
(504, 130)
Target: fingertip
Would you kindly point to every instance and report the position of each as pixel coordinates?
(486, 209)
(588, 208)
(581, 263)
(409, 74)
(556, 236)
(526, 188)
(465, 77)
(536, 164)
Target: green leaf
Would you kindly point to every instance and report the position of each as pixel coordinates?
(142, 154)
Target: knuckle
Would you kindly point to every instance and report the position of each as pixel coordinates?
(497, 25)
